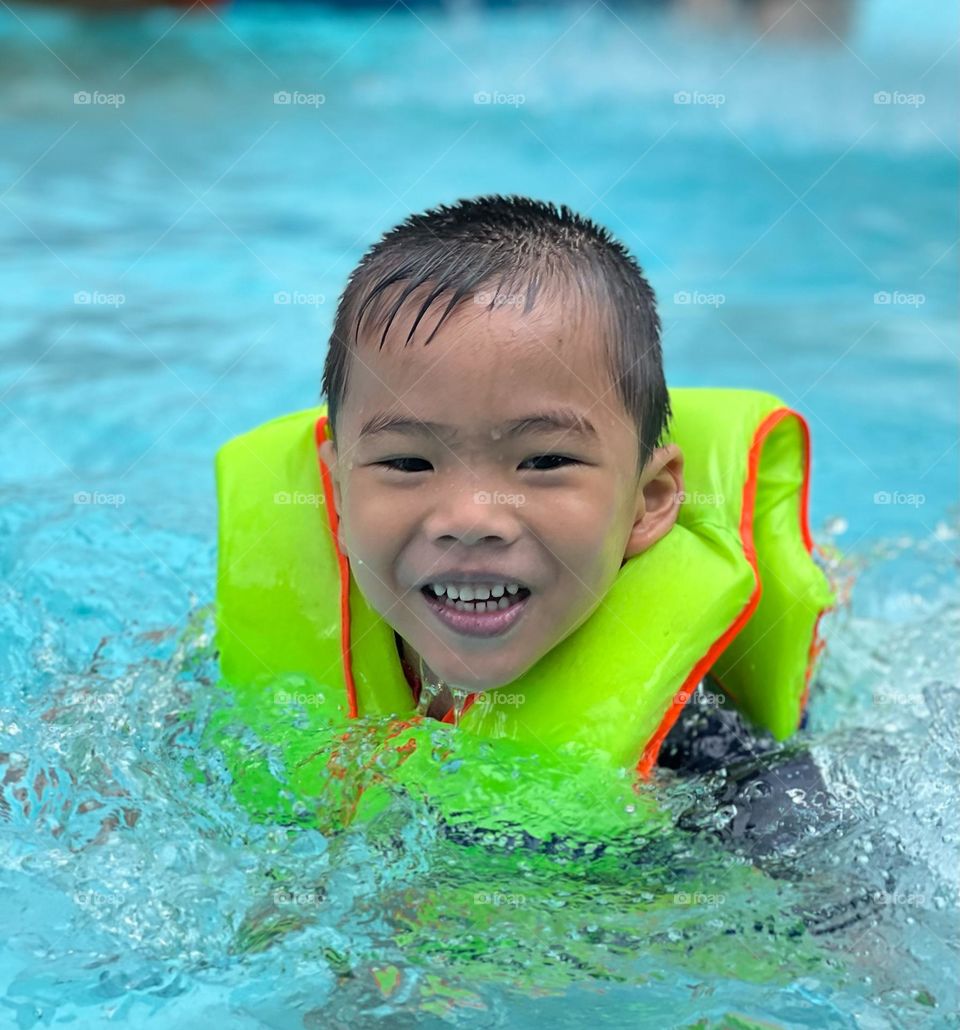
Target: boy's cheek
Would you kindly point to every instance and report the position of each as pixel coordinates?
(371, 557)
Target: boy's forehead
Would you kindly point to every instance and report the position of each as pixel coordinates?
(481, 359)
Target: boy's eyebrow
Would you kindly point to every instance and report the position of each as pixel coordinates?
(565, 419)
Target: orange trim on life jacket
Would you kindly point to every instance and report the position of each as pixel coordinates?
(343, 566)
(652, 750)
(817, 644)
(344, 572)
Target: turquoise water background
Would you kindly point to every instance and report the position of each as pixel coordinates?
(171, 264)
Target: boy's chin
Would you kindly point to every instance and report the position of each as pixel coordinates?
(475, 680)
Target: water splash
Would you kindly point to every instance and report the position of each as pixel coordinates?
(153, 890)
(437, 696)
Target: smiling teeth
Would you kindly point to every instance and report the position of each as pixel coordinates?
(473, 598)
(478, 606)
(466, 592)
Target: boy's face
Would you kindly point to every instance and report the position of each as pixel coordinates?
(472, 503)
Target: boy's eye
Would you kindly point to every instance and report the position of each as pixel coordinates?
(546, 462)
(539, 463)
(404, 464)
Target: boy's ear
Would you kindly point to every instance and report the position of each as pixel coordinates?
(659, 494)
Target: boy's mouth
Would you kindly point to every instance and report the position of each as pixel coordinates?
(477, 610)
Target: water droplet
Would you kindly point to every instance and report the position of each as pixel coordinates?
(836, 526)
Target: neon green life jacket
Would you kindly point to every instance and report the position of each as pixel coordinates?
(732, 590)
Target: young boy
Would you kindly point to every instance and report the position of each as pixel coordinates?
(501, 511)
(497, 396)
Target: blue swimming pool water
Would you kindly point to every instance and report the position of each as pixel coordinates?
(801, 237)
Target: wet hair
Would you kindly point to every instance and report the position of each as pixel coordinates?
(501, 249)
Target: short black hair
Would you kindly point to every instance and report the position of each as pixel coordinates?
(501, 247)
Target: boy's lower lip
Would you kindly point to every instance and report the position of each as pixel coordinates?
(476, 624)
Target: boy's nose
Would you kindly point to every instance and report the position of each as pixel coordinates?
(470, 514)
